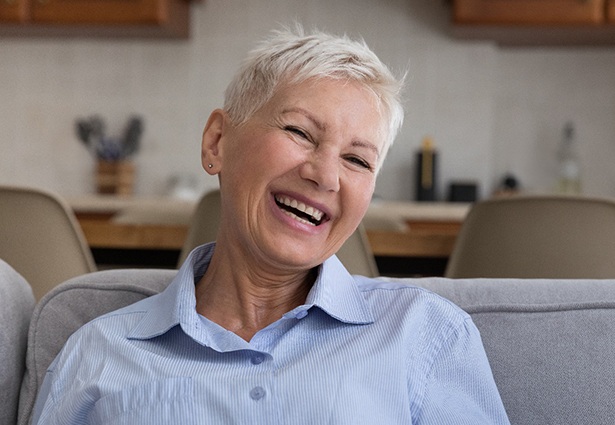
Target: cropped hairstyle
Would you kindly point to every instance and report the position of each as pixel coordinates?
(291, 56)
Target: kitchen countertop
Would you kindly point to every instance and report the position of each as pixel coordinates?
(135, 210)
(394, 229)
(385, 215)
(397, 215)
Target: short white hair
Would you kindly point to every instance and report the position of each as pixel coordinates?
(291, 56)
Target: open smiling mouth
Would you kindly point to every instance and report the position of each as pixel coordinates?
(299, 211)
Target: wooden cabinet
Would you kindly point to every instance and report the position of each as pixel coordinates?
(537, 12)
(536, 22)
(13, 10)
(611, 11)
(104, 11)
(95, 17)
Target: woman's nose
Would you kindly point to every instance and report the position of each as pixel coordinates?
(323, 170)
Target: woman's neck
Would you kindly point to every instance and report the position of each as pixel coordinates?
(245, 299)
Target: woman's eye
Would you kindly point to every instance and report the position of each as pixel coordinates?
(360, 162)
(296, 131)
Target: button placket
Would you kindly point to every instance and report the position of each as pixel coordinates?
(257, 359)
(257, 393)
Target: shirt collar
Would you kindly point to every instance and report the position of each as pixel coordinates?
(335, 292)
(176, 305)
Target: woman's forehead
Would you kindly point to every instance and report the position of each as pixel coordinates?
(324, 91)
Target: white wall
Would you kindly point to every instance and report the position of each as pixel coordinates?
(490, 110)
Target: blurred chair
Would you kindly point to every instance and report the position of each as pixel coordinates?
(16, 305)
(204, 223)
(41, 239)
(536, 237)
(355, 254)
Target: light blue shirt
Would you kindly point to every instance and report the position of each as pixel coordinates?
(359, 351)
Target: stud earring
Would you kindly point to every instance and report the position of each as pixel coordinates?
(210, 165)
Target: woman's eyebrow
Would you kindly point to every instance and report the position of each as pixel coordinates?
(295, 109)
(367, 145)
(322, 127)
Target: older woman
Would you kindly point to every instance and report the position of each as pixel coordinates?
(266, 326)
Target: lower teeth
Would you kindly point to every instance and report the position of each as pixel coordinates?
(299, 219)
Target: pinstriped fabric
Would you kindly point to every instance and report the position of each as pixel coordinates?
(359, 351)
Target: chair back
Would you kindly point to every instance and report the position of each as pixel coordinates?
(536, 237)
(41, 239)
(16, 305)
(204, 223)
(355, 254)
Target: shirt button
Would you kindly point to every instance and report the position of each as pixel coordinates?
(257, 359)
(301, 314)
(257, 393)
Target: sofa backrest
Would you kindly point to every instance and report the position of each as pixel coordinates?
(16, 305)
(550, 343)
(69, 306)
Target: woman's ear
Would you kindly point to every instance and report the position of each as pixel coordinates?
(211, 152)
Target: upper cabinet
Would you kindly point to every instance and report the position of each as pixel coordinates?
(537, 12)
(536, 22)
(166, 18)
(13, 10)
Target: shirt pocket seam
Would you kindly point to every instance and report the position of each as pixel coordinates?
(153, 393)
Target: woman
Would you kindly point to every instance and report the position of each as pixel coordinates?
(266, 325)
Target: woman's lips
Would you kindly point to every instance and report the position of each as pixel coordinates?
(299, 210)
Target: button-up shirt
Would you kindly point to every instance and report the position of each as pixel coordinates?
(358, 351)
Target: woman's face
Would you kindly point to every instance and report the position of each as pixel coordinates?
(297, 178)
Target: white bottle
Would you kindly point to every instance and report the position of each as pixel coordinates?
(569, 172)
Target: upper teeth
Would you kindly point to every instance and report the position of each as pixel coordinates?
(293, 203)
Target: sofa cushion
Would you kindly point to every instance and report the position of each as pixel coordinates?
(16, 305)
(72, 304)
(550, 343)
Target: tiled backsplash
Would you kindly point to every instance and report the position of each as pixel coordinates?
(489, 110)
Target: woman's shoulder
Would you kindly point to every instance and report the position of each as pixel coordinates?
(407, 295)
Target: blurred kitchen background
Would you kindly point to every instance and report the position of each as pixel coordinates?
(490, 110)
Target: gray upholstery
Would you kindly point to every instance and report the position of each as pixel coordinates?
(16, 305)
(551, 345)
(550, 342)
(72, 304)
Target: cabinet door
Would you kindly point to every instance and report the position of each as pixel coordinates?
(13, 10)
(539, 12)
(101, 11)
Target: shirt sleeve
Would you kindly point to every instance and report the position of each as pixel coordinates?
(460, 388)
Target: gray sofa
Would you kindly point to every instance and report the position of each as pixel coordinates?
(550, 342)
(16, 305)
